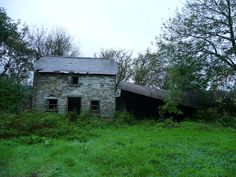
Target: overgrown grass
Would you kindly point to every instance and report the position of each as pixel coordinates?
(31, 126)
(142, 149)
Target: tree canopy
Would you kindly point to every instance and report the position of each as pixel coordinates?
(15, 54)
(149, 70)
(56, 42)
(200, 45)
(123, 59)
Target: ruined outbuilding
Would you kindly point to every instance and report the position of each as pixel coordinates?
(145, 102)
(63, 84)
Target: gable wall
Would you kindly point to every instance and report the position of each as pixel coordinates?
(91, 87)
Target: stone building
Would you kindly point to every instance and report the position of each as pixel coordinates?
(64, 84)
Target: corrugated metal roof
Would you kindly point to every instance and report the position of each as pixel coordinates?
(189, 99)
(142, 90)
(80, 65)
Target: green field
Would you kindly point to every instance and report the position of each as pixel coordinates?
(143, 149)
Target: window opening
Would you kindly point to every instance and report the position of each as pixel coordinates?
(95, 106)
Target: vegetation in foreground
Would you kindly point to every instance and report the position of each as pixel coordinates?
(95, 147)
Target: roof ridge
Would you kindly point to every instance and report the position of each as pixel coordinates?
(75, 57)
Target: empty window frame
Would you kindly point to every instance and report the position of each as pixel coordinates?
(74, 80)
(52, 104)
(95, 106)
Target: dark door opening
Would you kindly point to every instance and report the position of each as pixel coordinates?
(74, 104)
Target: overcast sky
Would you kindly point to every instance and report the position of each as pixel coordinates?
(96, 24)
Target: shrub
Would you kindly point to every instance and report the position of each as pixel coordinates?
(14, 97)
(227, 120)
(31, 127)
(72, 116)
(169, 123)
(124, 117)
(86, 116)
(34, 139)
(7, 121)
(215, 115)
(10, 95)
(208, 114)
(89, 121)
(40, 124)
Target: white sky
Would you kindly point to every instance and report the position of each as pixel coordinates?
(96, 24)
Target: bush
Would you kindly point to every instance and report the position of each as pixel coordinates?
(33, 128)
(227, 120)
(207, 114)
(89, 121)
(14, 97)
(169, 123)
(124, 117)
(34, 139)
(214, 115)
(40, 124)
(86, 116)
(72, 116)
(10, 95)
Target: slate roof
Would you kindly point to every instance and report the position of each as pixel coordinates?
(188, 99)
(79, 65)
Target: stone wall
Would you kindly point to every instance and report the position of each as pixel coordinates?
(90, 87)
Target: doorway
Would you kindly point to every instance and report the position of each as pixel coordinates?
(74, 104)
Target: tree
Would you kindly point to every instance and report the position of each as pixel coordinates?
(149, 70)
(15, 62)
(201, 38)
(60, 43)
(142, 67)
(57, 42)
(37, 38)
(123, 59)
(11, 95)
(15, 54)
